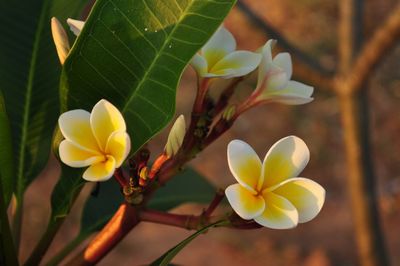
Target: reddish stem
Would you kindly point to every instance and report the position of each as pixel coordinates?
(219, 196)
(120, 178)
(201, 94)
(189, 222)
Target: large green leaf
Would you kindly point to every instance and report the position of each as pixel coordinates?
(165, 259)
(7, 179)
(133, 52)
(29, 78)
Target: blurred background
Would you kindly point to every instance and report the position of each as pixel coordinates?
(311, 25)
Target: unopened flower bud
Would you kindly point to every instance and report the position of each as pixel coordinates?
(60, 39)
(176, 136)
(75, 26)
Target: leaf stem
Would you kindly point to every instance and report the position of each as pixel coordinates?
(219, 196)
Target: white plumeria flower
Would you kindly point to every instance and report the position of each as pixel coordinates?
(75, 26)
(97, 139)
(270, 192)
(274, 82)
(218, 57)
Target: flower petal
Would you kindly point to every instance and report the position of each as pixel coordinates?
(75, 127)
(199, 64)
(220, 44)
(275, 80)
(105, 119)
(244, 164)
(279, 213)
(284, 61)
(295, 93)
(101, 171)
(243, 202)
(118, 146)
(236, 64)
(266, 60)
(286, 159)
(72, 155)
(306, 195)
(76, 26)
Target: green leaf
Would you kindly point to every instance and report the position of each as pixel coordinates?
(188, 186)
(170, 254)
(7, 179)
(133, 52)
(29, 71)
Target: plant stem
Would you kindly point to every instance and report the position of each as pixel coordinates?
(371, 247)
(219, 196)
(189, 222)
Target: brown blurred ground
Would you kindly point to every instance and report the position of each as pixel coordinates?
(327, 240)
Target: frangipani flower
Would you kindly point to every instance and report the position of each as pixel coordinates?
(97, 139)
(218, 58)
(75, 26)
(274, 82)
(270, 192)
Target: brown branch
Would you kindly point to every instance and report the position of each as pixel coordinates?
(219, 196)
(190, 222)
(304, 72)
(354, 113)
(361, 181)
(305, 67)
(385, 38)
(195, 222)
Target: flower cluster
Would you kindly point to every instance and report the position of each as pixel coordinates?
(268, 192)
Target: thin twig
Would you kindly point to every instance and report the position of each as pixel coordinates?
(305, 67)
(219, 196)
(384, 39)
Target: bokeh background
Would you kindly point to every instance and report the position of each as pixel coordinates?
(327, 240)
